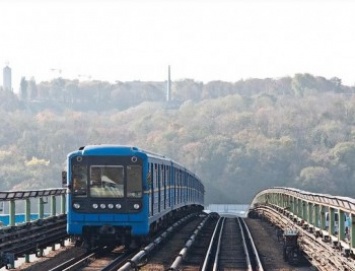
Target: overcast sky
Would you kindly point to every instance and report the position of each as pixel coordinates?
(202, 40)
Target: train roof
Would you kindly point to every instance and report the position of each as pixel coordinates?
(123, 148)
(126, 149)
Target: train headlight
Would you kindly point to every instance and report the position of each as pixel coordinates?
(118, 206)
(95, 206)
(102, 206)
(136, 206)
(110, 205)
(76, 205)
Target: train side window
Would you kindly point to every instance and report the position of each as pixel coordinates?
(152, 177)
(156, 178)
(134, 181)
(149, 179)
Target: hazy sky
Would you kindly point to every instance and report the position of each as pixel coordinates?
(202, 40)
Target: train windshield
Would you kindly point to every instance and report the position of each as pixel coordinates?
(107, 181)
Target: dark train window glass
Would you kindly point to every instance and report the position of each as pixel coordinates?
(107, 181)
(156, 177)
(79, 180)
(134, 181)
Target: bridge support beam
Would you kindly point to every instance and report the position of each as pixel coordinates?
(53, 212)
(27, 210)
(316, 215)
(294, 205)
(352, 230)
(27, 258)
(299, 208)
(63, 200)
(331, 220)
(41, 203)
(310, 213)
(304, 210)
(322, 217)
(53, 206)
(27, 219)
(12, 208)
(341, 225)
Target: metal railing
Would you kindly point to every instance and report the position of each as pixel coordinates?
(334, 215)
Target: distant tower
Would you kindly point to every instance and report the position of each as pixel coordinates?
(168, 89)
(7, 78)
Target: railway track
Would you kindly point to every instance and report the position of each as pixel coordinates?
(166, 254)
(187, 246)
(109, 260)
(106, 259)
(197, 253)
(207, 244)
(231, 247)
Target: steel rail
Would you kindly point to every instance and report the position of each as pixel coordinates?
(183, 252)
(74, 263)
(251, 240)
(209, 251)
(215, 263)
(247, 256)
(134, 262)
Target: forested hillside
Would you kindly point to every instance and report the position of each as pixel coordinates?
(238, 137)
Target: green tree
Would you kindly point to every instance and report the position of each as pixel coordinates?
(23, 89)
(317, 179)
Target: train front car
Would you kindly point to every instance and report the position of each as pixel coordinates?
(106, 203)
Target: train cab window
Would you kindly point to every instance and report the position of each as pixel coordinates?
(134, 181)
(79, 185)
(107, 181)
(78, 182)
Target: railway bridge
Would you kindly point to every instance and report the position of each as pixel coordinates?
(34, 220)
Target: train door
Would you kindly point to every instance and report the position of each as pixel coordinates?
(186, 177)
(158, 187)
(177, 179)
(179, 183)
(167, 180)
(171, 186)
(168, 186)
(164, 186)
(189, 188)
(182, 186)
(151, 189)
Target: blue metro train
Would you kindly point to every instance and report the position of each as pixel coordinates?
(122, 194)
